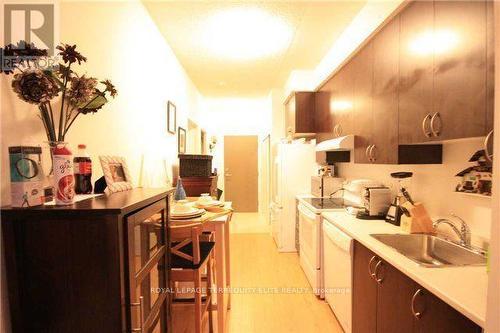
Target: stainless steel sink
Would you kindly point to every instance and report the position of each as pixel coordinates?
(431, 251)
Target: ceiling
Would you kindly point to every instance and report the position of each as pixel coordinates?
(313, 27)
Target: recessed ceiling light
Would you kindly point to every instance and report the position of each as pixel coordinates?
(245, 33)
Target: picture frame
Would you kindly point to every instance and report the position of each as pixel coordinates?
(181, 145)
(171, 117)
(116, 173)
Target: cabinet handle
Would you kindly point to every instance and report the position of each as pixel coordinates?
(367, 152)
(372, 156)
(424, 126)
(416, 314)
(487, 153)
(433, 129)
(141, 314)
(370, 267)
(375, 273)
(339, 129)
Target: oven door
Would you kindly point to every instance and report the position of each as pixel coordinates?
(309, 236)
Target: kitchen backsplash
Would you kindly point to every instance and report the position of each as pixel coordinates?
(434, 185)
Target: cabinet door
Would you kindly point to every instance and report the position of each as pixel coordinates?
(323, 117)
(304, 112)
(416, 72)
(147, 267)
(364, 293)
(490, 65)
(342, 103)
(362, 72)
(459, 69)
(290, 115)
(385, 94)
(437, 316)
(394, 297)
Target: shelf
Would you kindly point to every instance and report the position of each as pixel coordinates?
(474, 195)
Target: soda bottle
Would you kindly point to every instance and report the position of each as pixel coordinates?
(83, 171)
(64, 180)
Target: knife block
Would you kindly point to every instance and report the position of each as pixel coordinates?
(419, 220)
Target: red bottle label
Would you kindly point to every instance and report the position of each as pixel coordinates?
(83, 168)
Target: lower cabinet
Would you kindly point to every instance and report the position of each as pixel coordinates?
(385, 300)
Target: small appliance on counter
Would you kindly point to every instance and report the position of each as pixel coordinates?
(372, 196)
(326, 186)
(397, 208)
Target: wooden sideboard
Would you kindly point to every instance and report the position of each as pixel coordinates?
(195, 186)
(94, 266)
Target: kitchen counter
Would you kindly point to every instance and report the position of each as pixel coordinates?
(463, 288)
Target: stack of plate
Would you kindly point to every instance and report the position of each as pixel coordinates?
(213, 203)
(189, 214)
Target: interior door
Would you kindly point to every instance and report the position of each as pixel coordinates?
(265, 178)
(241, 172)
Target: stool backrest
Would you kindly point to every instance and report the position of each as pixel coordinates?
(182, 235)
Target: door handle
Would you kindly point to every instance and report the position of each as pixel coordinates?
(433, 129)
(339, 130)
(335, 130)
(372, 156)
(367, 152)
(375, 273)
(487, 154)
(370, 267)
(415, 313)
(427, 133)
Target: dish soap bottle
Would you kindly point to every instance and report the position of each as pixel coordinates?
(180, 193)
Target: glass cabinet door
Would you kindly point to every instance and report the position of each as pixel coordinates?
(147, 268)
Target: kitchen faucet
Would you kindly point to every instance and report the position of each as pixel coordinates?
(463, 233)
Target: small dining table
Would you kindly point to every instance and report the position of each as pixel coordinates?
(217, 221)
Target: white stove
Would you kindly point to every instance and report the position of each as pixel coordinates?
(310, 236)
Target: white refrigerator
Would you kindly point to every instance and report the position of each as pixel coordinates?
(293, 167)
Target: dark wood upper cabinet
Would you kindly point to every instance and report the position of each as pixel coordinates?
(362, 72)
(459, 69)
(384, 138)
(490, 65)
(299, 113)
(416, 72)
(342, 103)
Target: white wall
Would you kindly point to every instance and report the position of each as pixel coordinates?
(434, 185)
(122, 44)
(234, 116)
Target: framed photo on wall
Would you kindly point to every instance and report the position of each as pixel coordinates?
(116, 173)
(171, 117)
(181, 140)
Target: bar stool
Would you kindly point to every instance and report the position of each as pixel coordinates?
(189, 257)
